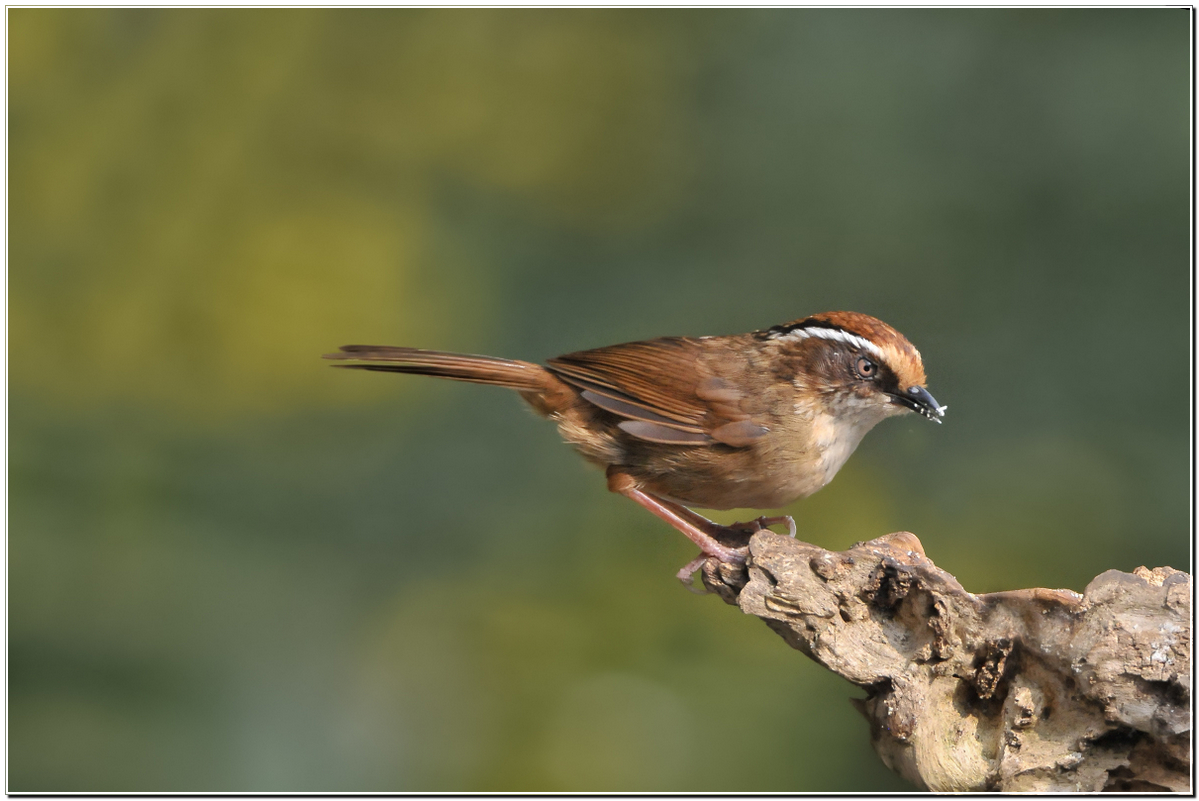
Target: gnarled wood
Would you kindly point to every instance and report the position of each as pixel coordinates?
(1026, 690)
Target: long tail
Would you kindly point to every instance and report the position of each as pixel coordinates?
(523, 376)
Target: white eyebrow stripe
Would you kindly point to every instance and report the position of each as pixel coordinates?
(837, 335)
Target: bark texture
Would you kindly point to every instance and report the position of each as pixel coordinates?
(1026, 690)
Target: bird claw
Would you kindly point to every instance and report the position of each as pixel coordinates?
(687, 574)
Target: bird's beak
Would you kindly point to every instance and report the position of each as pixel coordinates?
(919, 400)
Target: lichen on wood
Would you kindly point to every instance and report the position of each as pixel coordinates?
(1024, 690)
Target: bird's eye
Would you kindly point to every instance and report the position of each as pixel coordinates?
(865, 368)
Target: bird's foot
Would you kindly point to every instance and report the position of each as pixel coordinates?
(687, 573)
(763, 523)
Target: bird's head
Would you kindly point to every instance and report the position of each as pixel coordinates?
(855, 365)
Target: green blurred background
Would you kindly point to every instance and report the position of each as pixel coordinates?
(232, 568)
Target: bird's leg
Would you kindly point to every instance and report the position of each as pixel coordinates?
(695, 527)
(673, 514)
(751, 526)
(704, 524)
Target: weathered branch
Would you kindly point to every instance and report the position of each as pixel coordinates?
(1024, 690)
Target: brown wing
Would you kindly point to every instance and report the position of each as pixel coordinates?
(664, 389)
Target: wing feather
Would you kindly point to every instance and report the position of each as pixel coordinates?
(652, 432)
(664, 389)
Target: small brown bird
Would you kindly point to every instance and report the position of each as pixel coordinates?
(745, 421)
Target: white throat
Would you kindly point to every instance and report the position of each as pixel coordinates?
(838, 432)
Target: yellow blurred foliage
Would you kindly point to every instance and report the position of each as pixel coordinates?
(203, 201)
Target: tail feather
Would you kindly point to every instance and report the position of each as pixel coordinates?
(509, 373)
